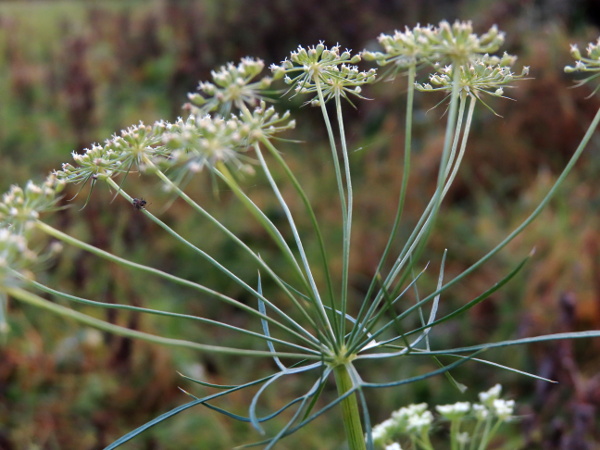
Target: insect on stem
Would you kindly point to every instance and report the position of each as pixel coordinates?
(139, 203)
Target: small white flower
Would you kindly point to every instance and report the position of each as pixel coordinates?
(407, 411)
(463, 438)
(481, 412)
(503, 408)
(381, 430)
(454, 411)
(394, 446)
(490, 395)
(420, 422)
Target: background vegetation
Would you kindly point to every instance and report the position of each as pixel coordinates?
(73, 73)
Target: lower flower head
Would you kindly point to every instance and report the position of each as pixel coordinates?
(20, 207)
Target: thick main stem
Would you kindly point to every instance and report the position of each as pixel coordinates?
(350, 411)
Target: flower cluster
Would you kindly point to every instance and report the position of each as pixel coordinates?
(325, 72)
(582, 64)
(137, 145)
(263, 123)
(199, 142)
(415, 421)
(455, 44)
(19, 210)
(491, 401)
(191, 144)
(488, 74)
(590, 64)
(21, 207)
(404, 49)
(232, 86)
(458, 44)
(15, 257)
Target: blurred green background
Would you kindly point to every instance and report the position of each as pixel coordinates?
(73, 73)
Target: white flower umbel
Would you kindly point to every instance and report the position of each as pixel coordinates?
(232, 87)
(589, 64)
(472, 426)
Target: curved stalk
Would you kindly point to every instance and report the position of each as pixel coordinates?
(210, 259)
(305, 337)
(402, 196)
(309, 210)
(536, 212)
(85, 301)
(316, 298)
(347, 224)
(35, 300)
(265, 267)
(416, 241)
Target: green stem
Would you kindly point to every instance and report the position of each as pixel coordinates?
(316, 297)
(311, 213)
(239, 242)
(454, 427)
(347, 231)
(340, 184)
(223, 172)
(350, 411)
(3, 322)
(419, 242)
(40, 302)
(203, 320)
(536, 212)
(306, 337)
(334, 155)
(419, 236)
(364, 310)
(209, 258)
(485, 437)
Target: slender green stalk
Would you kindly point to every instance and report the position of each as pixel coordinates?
(35, 300)
(333, 148)
(536, 212)
(401, 200)
(414, 237)
(209, 258)
(454, 430)
(486, 435)
(421, 238)
(350, 411)
(271, 229)
(316, 297)
(340, 184)
(223, 172)
(404, 185)
(418, 238)
(347, 224)
(204, 320)
(456, 163)
(305, 337)
(450, 172)
(311, 213)
(263, 266)
(3, 322)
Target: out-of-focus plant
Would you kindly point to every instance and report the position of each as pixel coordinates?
(315, 324)
(472, 426)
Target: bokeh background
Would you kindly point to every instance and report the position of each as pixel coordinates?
(73, 73)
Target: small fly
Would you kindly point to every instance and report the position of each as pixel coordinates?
(139, 203)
